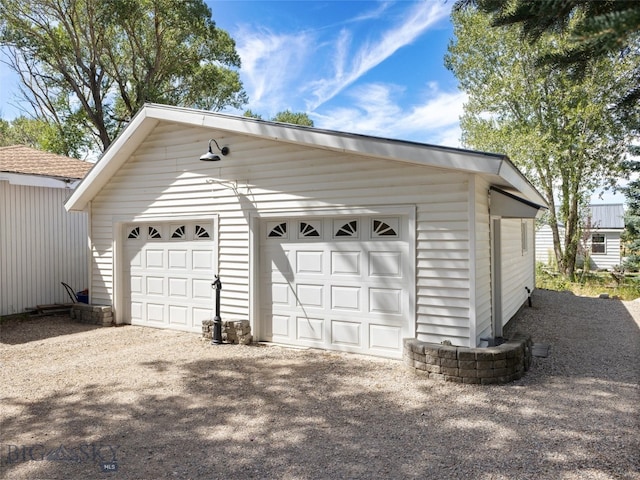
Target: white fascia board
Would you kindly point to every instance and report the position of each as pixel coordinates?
(517, 180)
(112, 159)
(509, 206)
(27, 180)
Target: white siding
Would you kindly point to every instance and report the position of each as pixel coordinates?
(517, 265)
(165, 177)
(544, 245)
(607, 260)
(612, 256)
(41, 245)
(483, 262)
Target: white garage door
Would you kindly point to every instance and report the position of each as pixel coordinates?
(168, 271)
(337, 283)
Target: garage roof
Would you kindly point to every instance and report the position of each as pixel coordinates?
(498, 167)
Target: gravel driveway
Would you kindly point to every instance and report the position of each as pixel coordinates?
(80, 402)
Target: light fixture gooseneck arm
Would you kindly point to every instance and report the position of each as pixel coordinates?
(210, 156)
(223, 150)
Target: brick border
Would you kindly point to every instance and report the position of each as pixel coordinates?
(494, 365)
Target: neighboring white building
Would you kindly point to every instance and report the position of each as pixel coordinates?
(606, 227)
(603, 238)
(41, 244)
(544, 244)
(321, 238)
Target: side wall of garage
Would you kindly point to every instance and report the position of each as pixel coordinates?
(165, 178)
(518, 264)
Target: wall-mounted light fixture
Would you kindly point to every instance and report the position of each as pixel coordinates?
(214, 157)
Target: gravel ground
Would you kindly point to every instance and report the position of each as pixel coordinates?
(155, 404)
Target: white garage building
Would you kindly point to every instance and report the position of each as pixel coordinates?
(321, 238)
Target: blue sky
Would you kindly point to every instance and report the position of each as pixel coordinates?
(370, 67)
(357, 66)
(366, 67)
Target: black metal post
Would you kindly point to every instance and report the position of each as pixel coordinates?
(216, 335)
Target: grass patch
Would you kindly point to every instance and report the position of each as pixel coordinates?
(590, 284)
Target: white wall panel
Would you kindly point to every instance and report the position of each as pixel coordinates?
(612, 256)
(544, 245)
(517, 265)
(607, 260)
(483, 313)
(41, 245)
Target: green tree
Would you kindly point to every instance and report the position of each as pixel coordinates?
(631, 233)
(251, 114)
(286, 116)
(94, 63)
(594, 29)
(296, 118)
(40, 134)
(559, 130)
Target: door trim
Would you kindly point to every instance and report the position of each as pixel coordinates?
(496, 277)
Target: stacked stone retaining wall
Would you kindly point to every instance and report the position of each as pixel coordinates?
(493, 365)
(233, 331)
(92, 314)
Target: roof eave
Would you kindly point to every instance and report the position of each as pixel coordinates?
(396, 150)
(390, 149)
(111, 160)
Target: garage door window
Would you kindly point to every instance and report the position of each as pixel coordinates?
(277, 230)
(344, 229)
(310, 229)
(178, 232)
(202, 232)
(134, 233)
(385, 228)
(154, 233)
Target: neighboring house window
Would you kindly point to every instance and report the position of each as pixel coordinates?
(525, 237)
(598, 243)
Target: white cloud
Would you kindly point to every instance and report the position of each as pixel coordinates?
(416, 21)
(373, 14)
(442, 109)
(303, 70)
(271, 64)
(375, 111)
